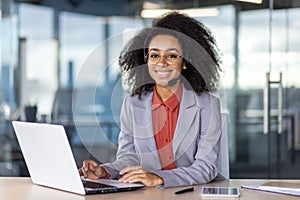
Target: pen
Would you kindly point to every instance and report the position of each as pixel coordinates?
(185, 190)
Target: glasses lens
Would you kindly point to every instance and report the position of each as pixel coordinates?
(153, 58)
(171, 59)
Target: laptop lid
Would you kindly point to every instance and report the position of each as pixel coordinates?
(50, 160)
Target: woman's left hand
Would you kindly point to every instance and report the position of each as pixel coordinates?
(134, 174)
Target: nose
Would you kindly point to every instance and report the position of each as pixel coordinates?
(162, 60)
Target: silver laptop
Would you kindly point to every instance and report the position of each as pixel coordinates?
(50, 161)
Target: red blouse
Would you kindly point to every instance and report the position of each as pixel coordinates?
(164, 120)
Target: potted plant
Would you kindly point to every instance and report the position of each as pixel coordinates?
(30, 112)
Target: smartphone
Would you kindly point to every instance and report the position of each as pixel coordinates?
(220, 192)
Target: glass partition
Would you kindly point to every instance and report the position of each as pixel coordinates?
(38, 55)
(267, 46)
(8, 64)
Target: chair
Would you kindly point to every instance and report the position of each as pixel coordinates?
(223, 156)
(62, 107)
(62, 112)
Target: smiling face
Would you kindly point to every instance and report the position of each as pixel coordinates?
(164, 59)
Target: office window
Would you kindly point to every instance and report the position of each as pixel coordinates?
(253, 48)
(293, 48)
(121, 29)
(222, 28)
(80, 36)
(82, 67)
(8, 60)
(38, 57)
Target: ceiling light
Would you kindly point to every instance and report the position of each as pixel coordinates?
(150, 5)
(193, 12)
(153, 13)
(252, 1)
(201, 12)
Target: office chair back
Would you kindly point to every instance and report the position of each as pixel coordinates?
(223, 156)
(62, 106)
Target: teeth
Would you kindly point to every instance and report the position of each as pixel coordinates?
(163, 73)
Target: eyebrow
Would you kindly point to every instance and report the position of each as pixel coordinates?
(170, 49)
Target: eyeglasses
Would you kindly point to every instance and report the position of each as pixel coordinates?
(171, 59)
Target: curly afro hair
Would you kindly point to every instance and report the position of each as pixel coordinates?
(200, 54)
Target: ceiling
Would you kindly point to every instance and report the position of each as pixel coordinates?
(134, 7)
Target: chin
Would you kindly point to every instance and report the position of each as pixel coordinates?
(162, 83)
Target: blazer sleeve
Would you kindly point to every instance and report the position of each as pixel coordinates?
(126, 154)
(204, 167)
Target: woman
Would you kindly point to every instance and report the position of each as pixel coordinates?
(170, 124)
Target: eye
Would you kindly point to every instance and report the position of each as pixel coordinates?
(172, 56)
(153, 55)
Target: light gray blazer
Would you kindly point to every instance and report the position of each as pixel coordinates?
(195, 144)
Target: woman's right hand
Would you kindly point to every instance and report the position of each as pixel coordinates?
(92, 170)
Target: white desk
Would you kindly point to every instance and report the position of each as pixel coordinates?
(21, 188)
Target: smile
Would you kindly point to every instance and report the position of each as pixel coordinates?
(163, 74)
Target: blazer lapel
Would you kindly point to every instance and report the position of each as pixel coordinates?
(188, 110)
(144, 129)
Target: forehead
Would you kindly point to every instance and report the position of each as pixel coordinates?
(164, 42)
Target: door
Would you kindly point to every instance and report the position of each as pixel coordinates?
(267, 108)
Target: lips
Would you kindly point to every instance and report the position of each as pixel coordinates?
(163, 74)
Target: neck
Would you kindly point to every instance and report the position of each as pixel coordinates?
(165, 92)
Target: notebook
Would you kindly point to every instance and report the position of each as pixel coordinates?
(51, 163)
(290, 188)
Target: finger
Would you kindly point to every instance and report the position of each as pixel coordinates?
(80, 171)
(137, 178)
(129, 175)
(85, 169)
(92, 164)
(85, 165)
(89, 165)
(130, 169)
(84, 173)
(145, 178)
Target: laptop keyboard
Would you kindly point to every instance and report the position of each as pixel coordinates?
(94, 185)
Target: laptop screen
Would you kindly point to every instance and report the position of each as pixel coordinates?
(50, 160)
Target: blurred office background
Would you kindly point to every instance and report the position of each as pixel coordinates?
(59, 65)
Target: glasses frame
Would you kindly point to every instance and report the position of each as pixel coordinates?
(170, 62)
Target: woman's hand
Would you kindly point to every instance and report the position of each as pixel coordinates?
(134, 174)
(91, 170)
